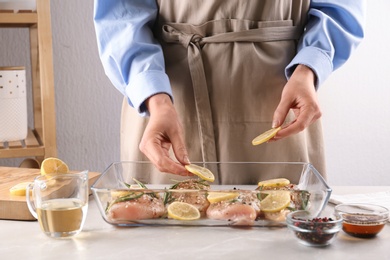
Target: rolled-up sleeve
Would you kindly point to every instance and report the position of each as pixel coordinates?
(132, 59)
(334, 29)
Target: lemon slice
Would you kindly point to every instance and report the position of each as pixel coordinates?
(264, 137)
(135, 187)
(19, 189)
(53, 165)
(274, 183)
(119, 193)
(183, 211)
(122, 193)
(201, 172)
(275, 201)
(214, 197)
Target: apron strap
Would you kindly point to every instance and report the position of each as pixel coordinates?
(193, 42)
(201, 94)
(175, 33)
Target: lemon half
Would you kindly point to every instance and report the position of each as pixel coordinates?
(53, 165)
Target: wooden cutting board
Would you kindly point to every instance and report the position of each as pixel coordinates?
(15, 207)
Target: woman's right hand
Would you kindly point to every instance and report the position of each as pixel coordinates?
(164, 131)
(300, 96)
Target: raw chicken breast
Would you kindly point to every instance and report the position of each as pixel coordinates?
(241, 211)
(191, 191)
(238, 213)
(144, 207)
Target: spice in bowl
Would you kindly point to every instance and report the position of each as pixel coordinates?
(313, 231)
(362, 220)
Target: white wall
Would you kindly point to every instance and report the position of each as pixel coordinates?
(356, 108)
(355, 99)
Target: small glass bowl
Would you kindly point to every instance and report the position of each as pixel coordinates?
(313, 231)
(362, 220)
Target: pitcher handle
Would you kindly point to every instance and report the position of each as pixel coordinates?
(30, 202)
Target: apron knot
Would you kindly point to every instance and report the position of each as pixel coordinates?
(170, 34)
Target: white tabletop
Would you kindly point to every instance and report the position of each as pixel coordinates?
(99, 240)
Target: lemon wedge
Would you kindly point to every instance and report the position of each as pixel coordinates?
(19, 189)
(274, 183)
(275, 201)
(53, 165)
(214, 197)
(201, 172)
(183, 211)
(264, 137)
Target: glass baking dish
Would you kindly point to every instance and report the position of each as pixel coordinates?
(122, 201)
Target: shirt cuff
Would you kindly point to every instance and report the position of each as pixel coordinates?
(145, 85)
(315, 59)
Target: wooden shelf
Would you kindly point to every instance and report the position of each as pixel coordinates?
(18, 19)
(31, 146)
(41, 140)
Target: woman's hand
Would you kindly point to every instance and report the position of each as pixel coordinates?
(299, 95)
(164, 131)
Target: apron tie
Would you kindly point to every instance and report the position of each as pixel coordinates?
(202, 101)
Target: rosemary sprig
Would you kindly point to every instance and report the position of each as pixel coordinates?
(260, 194)
(140, 183)
(143, 186)
(168, 198)
(132, 195)
(305, 197)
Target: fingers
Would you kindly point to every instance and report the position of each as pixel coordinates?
(159, 156)
(163, 132)
(167, 165)
(305, 115)
(300, 96)
(280, 113)
(180, 152)
(178, 145)
(304, 119)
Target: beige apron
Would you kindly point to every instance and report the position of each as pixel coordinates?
(226, 62)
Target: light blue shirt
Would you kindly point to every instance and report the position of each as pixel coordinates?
(134, 62)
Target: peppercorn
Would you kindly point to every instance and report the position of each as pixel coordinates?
(320, 235)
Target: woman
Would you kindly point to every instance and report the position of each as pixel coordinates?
(207, 76)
